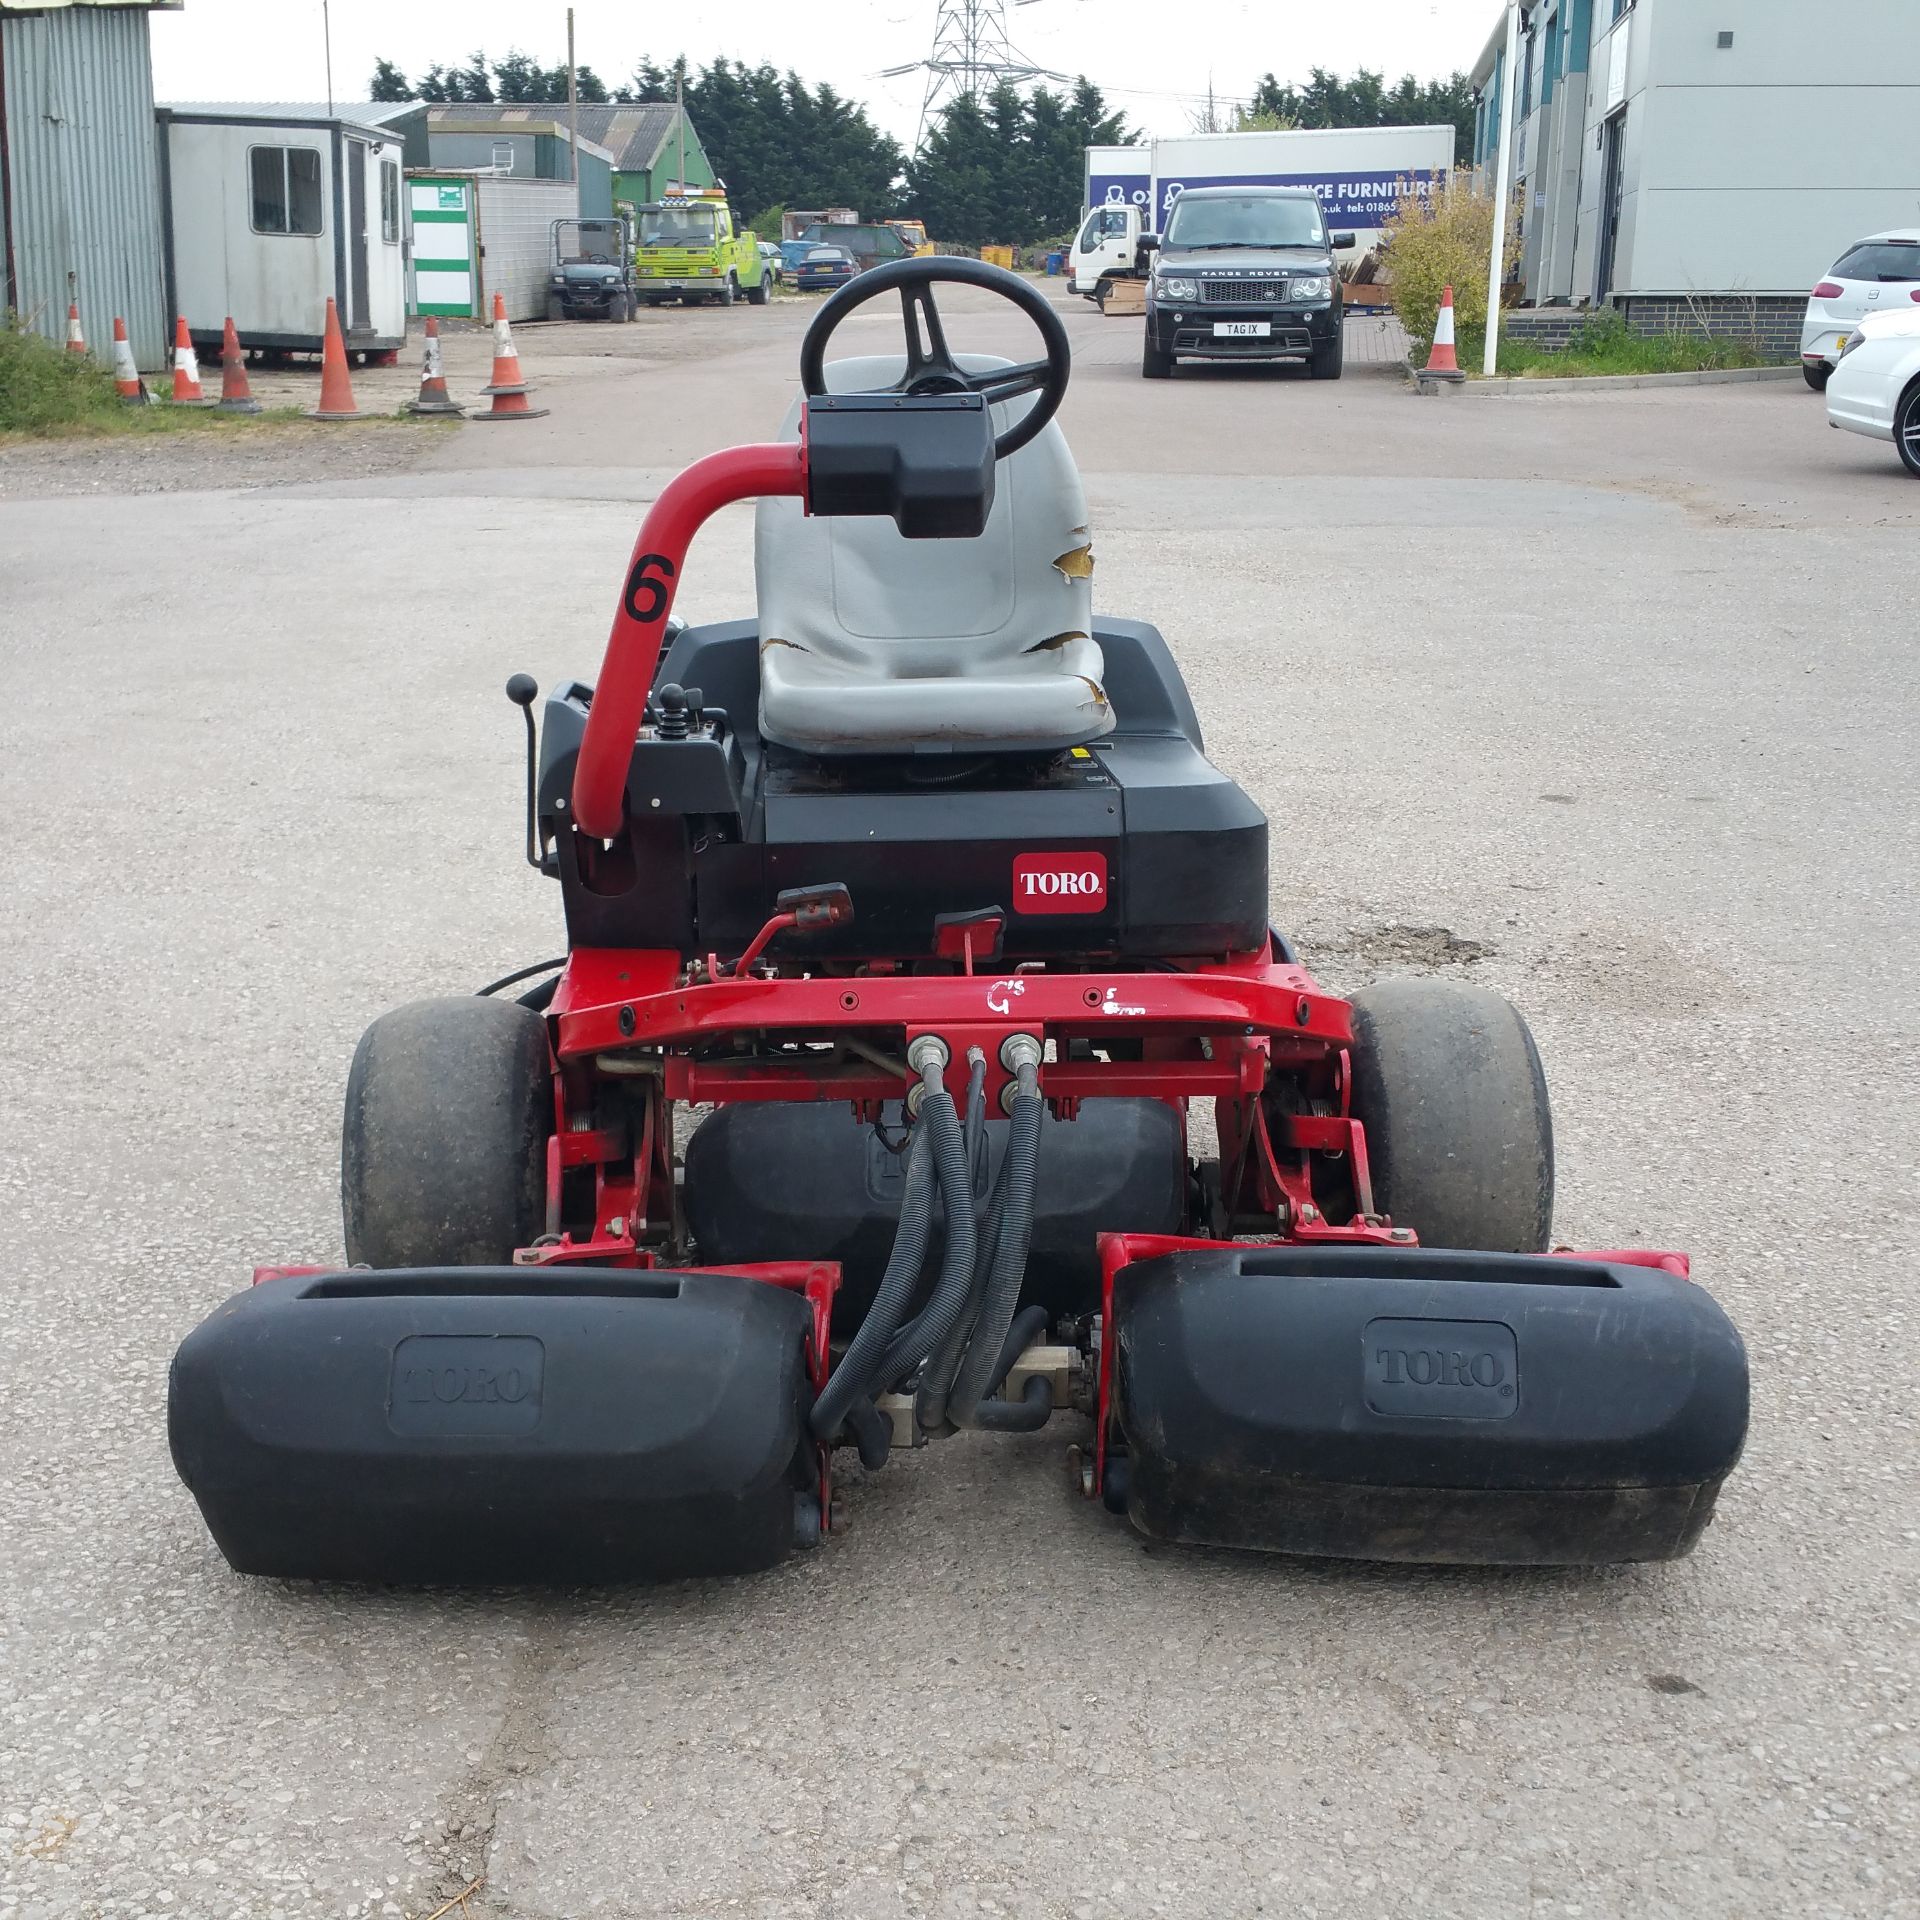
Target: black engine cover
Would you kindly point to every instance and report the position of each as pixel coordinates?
(1424, 1405)
(721, 822)
(483, 1425)
(780, 1181)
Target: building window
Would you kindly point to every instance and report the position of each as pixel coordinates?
(390, 201)
(286, 189)
(1579, 37)
(1621, 8)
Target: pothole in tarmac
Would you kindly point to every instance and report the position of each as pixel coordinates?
(1393, 948)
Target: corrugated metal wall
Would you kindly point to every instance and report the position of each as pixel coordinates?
(516, 230)
(83, 175)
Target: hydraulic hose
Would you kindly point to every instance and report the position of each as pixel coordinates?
(976, 1119)
(904, 1265)
(953, 1290)
(1026, 1329)
(1028, 1414)
(872, 1432)
(910, 1345)
(946, 1323)
(1000, 1296)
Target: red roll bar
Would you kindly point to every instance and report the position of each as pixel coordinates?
(633, 646)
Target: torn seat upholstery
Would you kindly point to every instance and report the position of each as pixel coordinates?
(873, 643)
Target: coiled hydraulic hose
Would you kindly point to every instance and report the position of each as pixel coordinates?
(1000, 1294)
(913, 1343)
(957, 1268)
(869, 1346)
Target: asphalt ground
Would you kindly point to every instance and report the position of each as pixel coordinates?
(1604, 701)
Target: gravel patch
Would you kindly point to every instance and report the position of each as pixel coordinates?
(270, 455)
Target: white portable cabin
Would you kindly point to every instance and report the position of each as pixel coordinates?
(267, 217)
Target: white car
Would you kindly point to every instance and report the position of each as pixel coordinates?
(1875, 389)
(1873, 274)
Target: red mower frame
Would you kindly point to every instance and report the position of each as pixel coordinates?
(1210, 1028)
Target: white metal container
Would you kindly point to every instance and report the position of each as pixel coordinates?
(267, 218)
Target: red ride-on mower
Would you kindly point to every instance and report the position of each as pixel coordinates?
(921, 886)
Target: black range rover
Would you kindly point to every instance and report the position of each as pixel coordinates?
(1244, 273)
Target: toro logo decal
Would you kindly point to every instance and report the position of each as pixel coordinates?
(1441, 1369)
(1060, 883)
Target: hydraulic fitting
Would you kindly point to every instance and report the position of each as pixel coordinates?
(928, 1048)
(1019, 1050)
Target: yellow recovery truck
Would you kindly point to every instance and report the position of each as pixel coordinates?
(688, 250)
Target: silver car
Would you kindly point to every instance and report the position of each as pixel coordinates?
(1874, 275)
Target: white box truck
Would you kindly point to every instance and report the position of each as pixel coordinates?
(1359, 174)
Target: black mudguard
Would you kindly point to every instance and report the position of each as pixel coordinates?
(485, 1425)
(1423, 1405)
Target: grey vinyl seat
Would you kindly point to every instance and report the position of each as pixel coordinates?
(871, 643)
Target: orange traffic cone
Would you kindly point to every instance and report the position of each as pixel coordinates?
(336, 388)
(126, 376)
(76, 340)
(433, 378)
(186, 369)
(1442, 362)
(508, 386)
(235, 395)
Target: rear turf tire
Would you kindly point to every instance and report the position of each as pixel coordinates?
(1447, 1083)
(1816, 376)
(1154, 364)
(443, 1152)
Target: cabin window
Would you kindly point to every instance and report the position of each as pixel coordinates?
(286, 189)
(389, 201)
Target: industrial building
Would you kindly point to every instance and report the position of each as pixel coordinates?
(1699, 164)
(655, 145)
(80, 202)
(526, 147)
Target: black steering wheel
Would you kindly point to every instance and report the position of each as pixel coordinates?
(931, 367)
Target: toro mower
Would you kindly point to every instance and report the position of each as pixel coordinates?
(908, 927)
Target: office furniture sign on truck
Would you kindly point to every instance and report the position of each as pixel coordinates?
(1358, 175)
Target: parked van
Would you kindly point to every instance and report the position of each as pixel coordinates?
(871, 244)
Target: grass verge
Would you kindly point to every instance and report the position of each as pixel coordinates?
(1604, 345)
(47, 393)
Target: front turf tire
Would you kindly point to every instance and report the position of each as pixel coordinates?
(1447, 1083)
(443, 1150)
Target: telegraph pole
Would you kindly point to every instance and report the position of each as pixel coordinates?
(573, 120)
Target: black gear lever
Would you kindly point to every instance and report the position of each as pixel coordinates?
(523, 690)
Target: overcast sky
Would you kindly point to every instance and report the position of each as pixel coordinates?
(240, 50)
